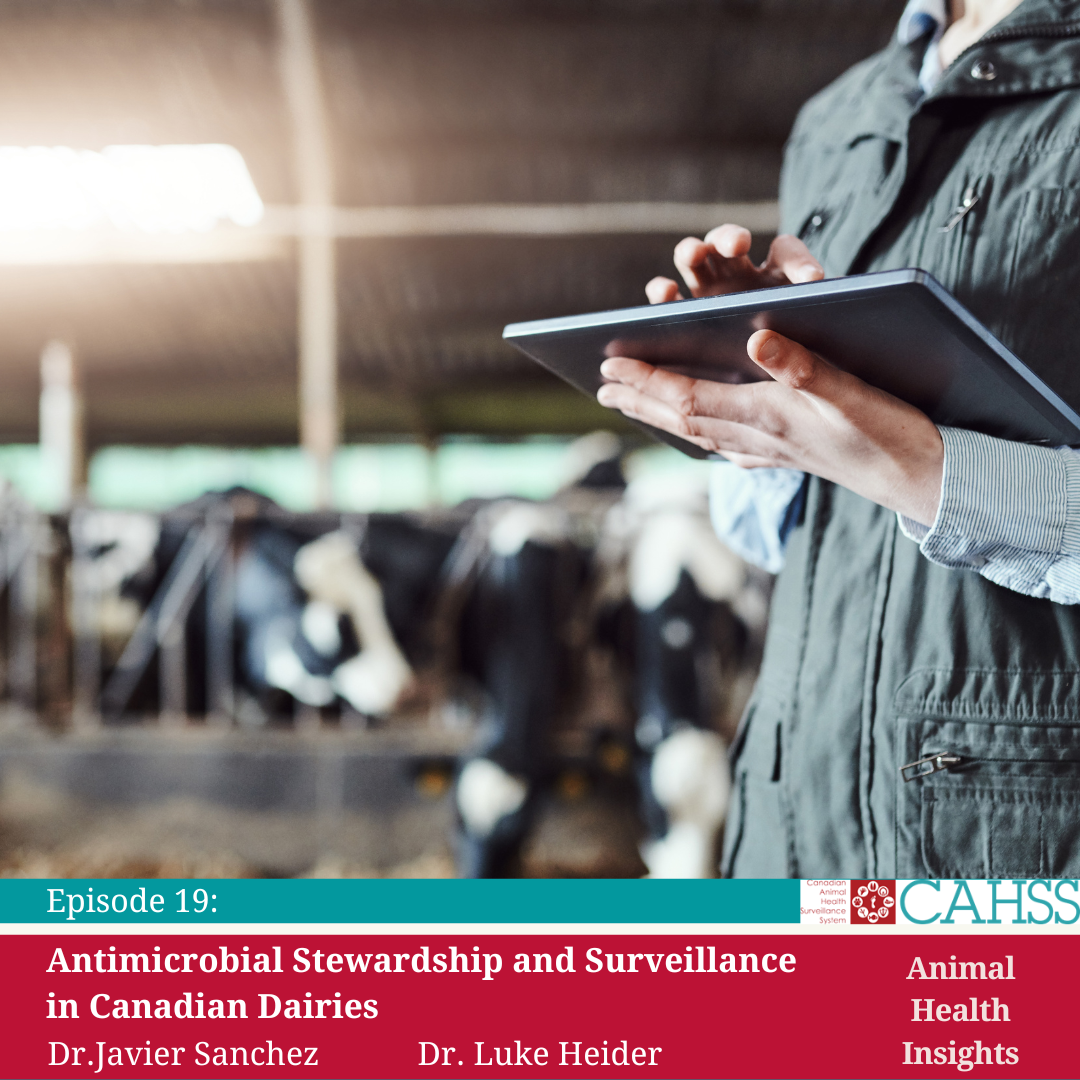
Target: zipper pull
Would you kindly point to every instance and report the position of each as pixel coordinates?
(971, 197)
(932, 763)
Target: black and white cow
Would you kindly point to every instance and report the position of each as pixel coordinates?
(322, 626)
(528, 580)
(685, 588)
(312, 623)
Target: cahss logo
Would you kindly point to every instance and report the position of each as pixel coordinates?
(873, 903)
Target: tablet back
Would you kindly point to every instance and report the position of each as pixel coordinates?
(899, 330)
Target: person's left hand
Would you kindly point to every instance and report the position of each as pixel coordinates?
(813, 417)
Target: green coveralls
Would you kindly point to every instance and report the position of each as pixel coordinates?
(875, 656)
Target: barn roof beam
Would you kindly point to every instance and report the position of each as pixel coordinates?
(517, 219)
(271, 238)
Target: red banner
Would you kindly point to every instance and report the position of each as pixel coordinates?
(870, 1004)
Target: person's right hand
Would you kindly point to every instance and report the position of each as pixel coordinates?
(720, 264)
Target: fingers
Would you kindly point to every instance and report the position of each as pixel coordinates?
(662, 290)
(791, 364)
(637, 405)
(791, 258)
(707, 427)
(665, 386)
(646, 409)
(721, 263)
(712, 264)
(688, 398)
(730, 241)
(692, 262)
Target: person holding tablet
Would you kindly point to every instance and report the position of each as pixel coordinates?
(918, 708)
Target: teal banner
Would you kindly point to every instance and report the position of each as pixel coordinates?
(412, 901)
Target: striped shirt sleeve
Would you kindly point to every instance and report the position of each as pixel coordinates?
(1008, 511)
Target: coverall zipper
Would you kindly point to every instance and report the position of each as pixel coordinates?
(943, 760)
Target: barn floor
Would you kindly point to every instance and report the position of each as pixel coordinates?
(195, 802)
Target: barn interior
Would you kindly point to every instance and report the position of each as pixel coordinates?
(255, 261)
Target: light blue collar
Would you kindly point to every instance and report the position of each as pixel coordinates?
(921, 18)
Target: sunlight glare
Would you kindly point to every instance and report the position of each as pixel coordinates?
(149, 189)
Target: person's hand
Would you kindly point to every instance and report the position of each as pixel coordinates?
(813, 417)
(720, 264)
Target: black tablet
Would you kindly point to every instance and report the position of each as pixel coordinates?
(898, 330)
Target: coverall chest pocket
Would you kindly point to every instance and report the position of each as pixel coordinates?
(1043, 283)
(980, 799)
(830, 189)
